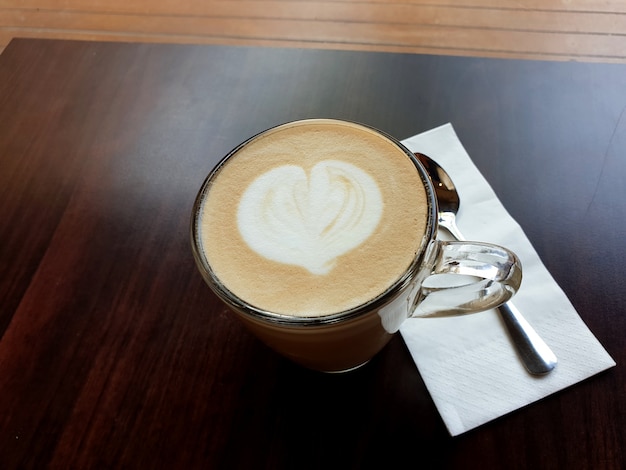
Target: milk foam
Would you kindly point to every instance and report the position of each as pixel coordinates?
(263, 241)
(310, 220)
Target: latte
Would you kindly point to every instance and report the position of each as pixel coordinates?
(313, 218)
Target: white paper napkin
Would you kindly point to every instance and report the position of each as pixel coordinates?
(468, 363)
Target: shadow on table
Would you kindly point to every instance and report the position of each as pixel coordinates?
(376, 415)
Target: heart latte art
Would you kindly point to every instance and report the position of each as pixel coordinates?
(309, 220)
(312, 218)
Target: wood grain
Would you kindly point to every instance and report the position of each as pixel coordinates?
(580, 30)
(113, 352)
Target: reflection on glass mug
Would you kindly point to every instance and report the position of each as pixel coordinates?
(320, 235)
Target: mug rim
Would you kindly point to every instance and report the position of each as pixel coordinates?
(373, 304)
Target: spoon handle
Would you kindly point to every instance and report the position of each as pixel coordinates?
(535, 354)
(447, 220)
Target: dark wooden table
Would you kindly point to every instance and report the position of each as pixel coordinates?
(114, 354)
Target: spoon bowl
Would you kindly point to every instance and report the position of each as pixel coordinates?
(535, 354)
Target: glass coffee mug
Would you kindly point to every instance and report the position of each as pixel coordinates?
(320, 235)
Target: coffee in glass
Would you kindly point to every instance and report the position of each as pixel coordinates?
(319, 234)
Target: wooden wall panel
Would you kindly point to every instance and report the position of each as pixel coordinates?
(584, 30)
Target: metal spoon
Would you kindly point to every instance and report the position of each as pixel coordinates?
(535, 354)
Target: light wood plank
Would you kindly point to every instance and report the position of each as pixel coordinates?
(586, 30)
(207, 7)
(342, 12)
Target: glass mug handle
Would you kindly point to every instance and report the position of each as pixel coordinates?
(466, 277)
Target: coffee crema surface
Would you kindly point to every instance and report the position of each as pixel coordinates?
(313, 218)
